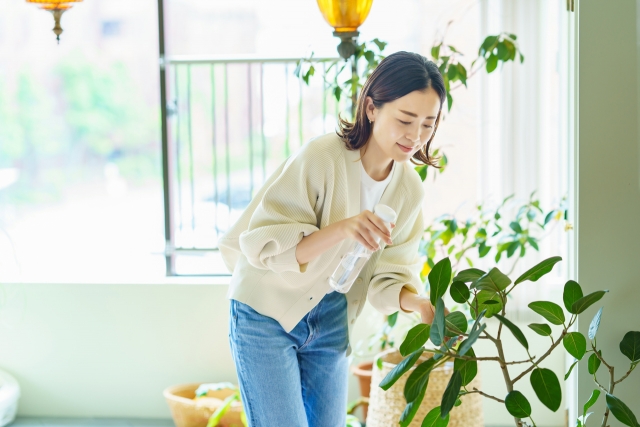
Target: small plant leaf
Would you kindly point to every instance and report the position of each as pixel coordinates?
(438, 325)
(630, 345)
(547, 387)
(576, 344)
(450, 394)
(456, 324)
(433, 419)
(514, 330)
(572, 293)
(540, 329)
(392, 319)
(621, 411)
(468, 368)
(411, 409)
(481, 301)
(471, 340)
(400, 369)
(418, 380)
(592, 401)
(469, 275)
(593, 363)
(549, 310)
(439, 278)
(585, 302)
(494, 280)
(595, 324)
(459, 292)
(566, 376)
(517, 404)
(539, 270)
(416, 338)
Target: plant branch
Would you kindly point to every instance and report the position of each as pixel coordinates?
(544, 356)
(475, 390)
(600, 357)
(625, 375)
(600, 385)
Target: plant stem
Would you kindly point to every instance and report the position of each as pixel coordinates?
(505, 370)
(612, 382)
(475, 390)
(625, 376)
(544, 356)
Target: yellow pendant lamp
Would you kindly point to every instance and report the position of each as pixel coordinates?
(345, 16)
(57, 8)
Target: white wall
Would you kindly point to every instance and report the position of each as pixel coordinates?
(608, 181)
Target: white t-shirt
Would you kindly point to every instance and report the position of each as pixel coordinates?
(371, 190)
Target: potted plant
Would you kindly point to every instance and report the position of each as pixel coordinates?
(486, 295)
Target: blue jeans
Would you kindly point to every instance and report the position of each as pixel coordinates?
(295, 379)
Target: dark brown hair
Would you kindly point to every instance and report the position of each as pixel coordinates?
(396, 76)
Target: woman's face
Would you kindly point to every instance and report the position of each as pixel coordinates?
(402, 127)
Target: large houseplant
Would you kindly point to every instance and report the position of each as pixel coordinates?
(486, 295)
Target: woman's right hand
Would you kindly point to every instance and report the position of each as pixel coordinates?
(365, 227)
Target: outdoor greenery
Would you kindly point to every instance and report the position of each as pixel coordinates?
(486, 295)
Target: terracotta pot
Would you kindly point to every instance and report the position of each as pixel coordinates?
(187, 412)
(364, 371)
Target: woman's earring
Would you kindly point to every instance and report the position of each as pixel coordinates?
(370, 121)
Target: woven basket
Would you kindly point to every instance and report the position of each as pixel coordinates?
(385, 407)
(187, 412)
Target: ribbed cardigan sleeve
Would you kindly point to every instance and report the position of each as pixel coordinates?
(398, 266)
(286, 214)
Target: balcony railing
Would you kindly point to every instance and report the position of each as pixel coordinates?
(230, 122)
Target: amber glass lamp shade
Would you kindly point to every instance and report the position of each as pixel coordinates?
(345, 15)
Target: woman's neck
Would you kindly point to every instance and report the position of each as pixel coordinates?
(375, 163)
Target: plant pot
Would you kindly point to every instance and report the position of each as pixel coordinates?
(187, 412)
(364, 371)
(385, 407)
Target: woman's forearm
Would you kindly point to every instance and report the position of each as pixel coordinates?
(315, 244)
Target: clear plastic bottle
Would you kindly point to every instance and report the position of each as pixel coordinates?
(352, 262)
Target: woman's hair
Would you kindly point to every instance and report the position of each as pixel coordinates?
(396, 76)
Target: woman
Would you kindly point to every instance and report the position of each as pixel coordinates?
(289, 333)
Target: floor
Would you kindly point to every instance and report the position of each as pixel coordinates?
(90, 422)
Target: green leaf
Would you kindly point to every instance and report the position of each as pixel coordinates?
(540, 329)
(471, 340)
(452, 72)
(517, 404)
(469, 275)
(547, 387)
(572, 293)
(594, 363)
(549, 310)
(411, 409)
(514, 330)
(539, 270)
(418, 380)
(435, 51)
(515, 226)
(511, 249)
(439, 278)
(433, 419)
(468, 368)
(215, 418)
(503, 52)
(592, 401)
(422, 171)
(494, 280)
(576, 344)
(630, 345)
(416, 338)
(585, 302)
(492, 63)
(455, 324)
(449, 101)
(462, 74)
(481, 300)
(445, 348)
(438, 325)
(521, 58)
(621, 411)
(459, 292)
(450, 394)
(595, 324)
(549, 217)
(566, 376)
(400, 369)
(392, 318)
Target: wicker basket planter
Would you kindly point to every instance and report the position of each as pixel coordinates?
(385, 407)
(187, 412)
